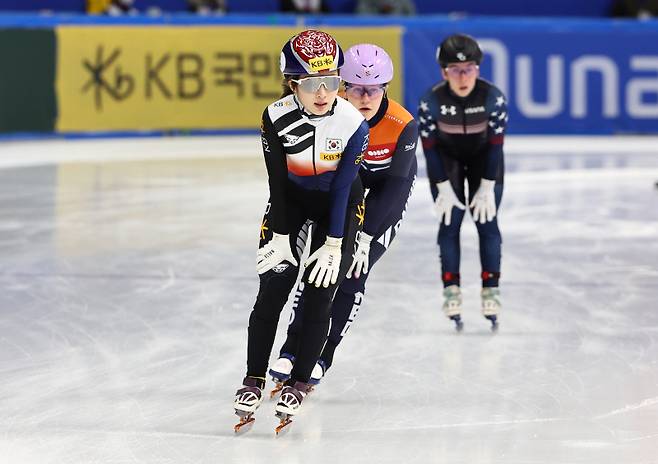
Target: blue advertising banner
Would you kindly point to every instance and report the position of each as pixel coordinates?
(560, 77)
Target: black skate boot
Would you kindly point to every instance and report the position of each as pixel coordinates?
(290, 402)
(247, 400)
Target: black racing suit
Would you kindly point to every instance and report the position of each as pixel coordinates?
(312, 164)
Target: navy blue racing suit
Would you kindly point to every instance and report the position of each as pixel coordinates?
(463, 142)
(388, 173)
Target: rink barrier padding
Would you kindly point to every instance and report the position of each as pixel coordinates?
(27, 97)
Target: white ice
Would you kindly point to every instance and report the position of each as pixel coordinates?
(127, 274)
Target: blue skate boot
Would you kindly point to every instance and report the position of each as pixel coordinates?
(280, 372)
(318, 372)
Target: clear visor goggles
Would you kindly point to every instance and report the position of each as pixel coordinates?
(359, 91)
(313, 84)
(456, 71)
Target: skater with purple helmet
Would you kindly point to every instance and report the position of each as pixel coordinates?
(388, 173)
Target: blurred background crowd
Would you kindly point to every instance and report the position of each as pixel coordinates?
(596, 8)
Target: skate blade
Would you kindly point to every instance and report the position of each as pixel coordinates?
(285, 421)
(459, 325)
(277, 389)
(244, 421)
(494, 322)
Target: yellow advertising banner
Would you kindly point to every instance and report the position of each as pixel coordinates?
(179, 77)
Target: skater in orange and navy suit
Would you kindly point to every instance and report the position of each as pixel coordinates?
(388, 172)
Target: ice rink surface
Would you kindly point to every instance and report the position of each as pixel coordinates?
(128, 274)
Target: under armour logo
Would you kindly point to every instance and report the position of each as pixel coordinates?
(452, 110)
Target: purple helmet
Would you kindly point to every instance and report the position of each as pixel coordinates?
(310, 52)
(367, 64)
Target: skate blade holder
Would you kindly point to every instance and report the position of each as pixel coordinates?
(459, 324)
(494, 321)
(285, 420)
(276, 389)
(246, 421)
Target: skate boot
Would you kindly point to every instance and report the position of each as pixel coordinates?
(491, 305)
(280, 372)
(318, 372)
(452, 305)
(247, 400)
(290, 403)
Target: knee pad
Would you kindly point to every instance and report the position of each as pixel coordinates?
(353, 285)
(450, 231)
(275, 287)
(488, 229)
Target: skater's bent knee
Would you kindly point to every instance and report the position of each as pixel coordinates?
(353, 285)
(278, 282)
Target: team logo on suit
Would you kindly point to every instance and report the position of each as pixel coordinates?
(452, 110)
(291, 139)
(279, 268)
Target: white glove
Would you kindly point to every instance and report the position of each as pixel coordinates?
(484, 202)
(274, 252)
(360, 263)
(445, 200)
(326, 269)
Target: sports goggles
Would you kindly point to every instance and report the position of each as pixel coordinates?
(359, 91)
(456, 71)
(313, 84)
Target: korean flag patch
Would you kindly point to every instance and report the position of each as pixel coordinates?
(334, 145)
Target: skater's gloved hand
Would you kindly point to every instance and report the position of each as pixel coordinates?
(274, 252)
(360, 263)
(445, 200)
(484, 202)
(326, 269)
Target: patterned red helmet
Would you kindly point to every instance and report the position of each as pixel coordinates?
(310, 52)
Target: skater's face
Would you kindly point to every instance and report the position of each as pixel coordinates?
(461, 77)
(365, 98)
(317, 93)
